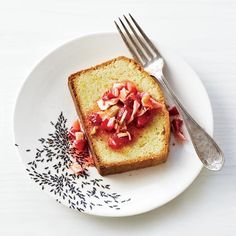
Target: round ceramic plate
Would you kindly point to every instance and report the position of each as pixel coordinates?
(44, 112)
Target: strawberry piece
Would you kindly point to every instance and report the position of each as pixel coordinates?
(95, 118)
(104, 124)
(79, 144)
(176, 125)
(129, 101)
(71, 136)
(179, 137)
(108, 95)
(173, 111)
(76, 125)
(108, 124)
(131, 87)
(142, 120)
(72, 132)
(115, 142)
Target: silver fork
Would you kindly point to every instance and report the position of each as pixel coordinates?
(144, 52)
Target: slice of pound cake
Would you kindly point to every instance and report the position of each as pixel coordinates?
(124, 116)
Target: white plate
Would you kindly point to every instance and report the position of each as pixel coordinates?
(45, 97)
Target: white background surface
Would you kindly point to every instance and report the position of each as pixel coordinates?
(202, 32)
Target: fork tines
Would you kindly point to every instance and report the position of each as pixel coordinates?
(136, 40)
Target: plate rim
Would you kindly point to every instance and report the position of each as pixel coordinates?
(57, 48)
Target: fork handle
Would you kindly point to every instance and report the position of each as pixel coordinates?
(206, 148)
